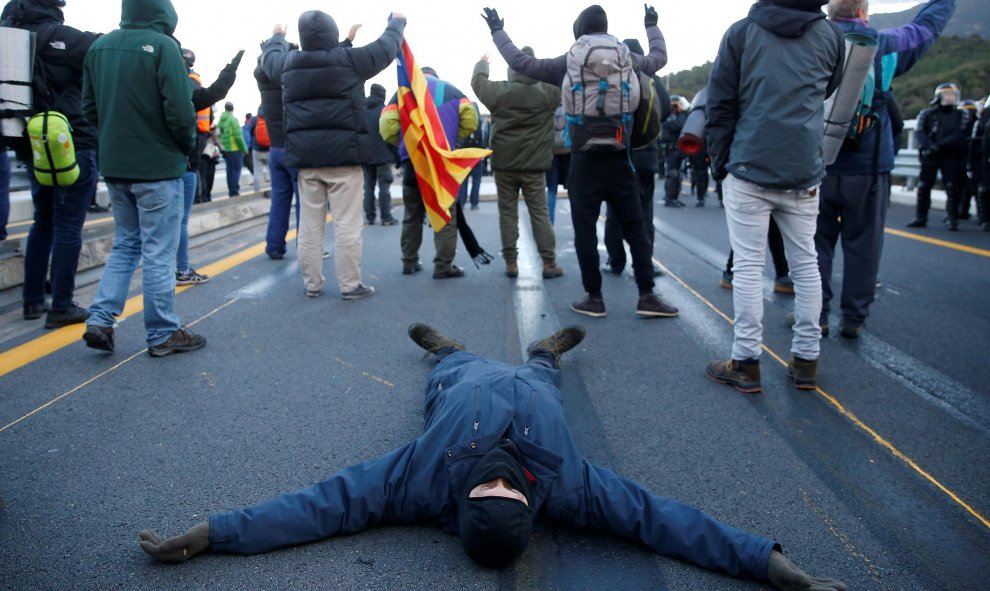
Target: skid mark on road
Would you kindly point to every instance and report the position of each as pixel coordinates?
(843, 538)
(372, 377)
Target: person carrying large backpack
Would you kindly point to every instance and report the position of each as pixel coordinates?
(599, 108)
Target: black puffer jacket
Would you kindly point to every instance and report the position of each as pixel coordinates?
(381, 153)
(271, 102)
(323, 90)
(62, 55)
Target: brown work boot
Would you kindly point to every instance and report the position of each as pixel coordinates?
(559, 342)
(804, 373)
(181, 341)
(430, 339)
(742, 375)
(551, 269)
(511, 269)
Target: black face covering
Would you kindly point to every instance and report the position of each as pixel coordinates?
(495, 530)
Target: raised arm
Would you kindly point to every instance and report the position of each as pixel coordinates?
(652, 62)
(913, 40)
(377, 55)
(550, 70)
(206, 96)
(273, 54)
(486, 90)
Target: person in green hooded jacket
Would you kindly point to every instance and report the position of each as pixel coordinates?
(137, 93)
(234, 148)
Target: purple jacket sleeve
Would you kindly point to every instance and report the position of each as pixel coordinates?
(654, 61)
(913, 40)
(550, 70)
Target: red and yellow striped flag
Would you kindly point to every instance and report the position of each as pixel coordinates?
(439, 170)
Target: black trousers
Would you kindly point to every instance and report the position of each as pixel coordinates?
(699, 175)
(594, 178)
(672, 173)
(613, 229)
(953, 170)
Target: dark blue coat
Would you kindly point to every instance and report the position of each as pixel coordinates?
(471, 403)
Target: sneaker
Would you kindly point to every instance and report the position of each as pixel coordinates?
(803, 373)
(511, 269)
(741, 375)
(313, 293)
(726, 282)
(651, 306)
(390, 222)
(326, 254)
(672, 203)
(359, 293)
(190, 277)
(823, 325)
(59, 318)
(552, 270)
(850, 331)
(474, 207)
(783, 284)
(917, 223)
(181, 341)
(952, 226)
(430, 339)
(410, 269)
(99, 337)
(590, 306)
(559, 342)
(700, 203)
(369, 222)
(985, 227)
(452, 273)
(275, 256)
(657, 271)
(613, 269)
(35, 311)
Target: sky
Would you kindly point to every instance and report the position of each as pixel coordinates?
(448, 35)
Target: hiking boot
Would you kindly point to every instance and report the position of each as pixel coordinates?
(430, 339)
(590, 306)
(822, 325)
(452, 273)
(742, 375)
(359, 293)
(511, 269)
(613, 268)
(917, 223)
(552, 270)
(726, 282)
(190, 277)
(390, 222)
(850, 331)
(559, 342)
(35, 311)
(99, 337)
(181, 341)
(783, 284)
(651, 306)
(803, 373)
(410, 269)
(59, 318)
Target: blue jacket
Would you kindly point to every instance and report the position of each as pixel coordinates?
(899, 49)
(471, 403)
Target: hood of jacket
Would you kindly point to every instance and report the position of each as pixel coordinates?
(318, 31)
(514, 76)
(787, 18)
(158, 15)
(591, 20)
(29, 12)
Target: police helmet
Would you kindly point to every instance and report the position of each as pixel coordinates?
(946, 95)
(189, 57)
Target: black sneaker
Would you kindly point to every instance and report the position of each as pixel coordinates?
(650, 305)
(410, 269)
(917, 223)
(35, 311)
(952, 226)
(99, 337)
(657, 271)
(850, 331)
(359, 293)
(60, 318)
(590, 306)
(181, 341)
(190, 277)
(559, 342)
(390, 222)
(430, 339)
(612, 268)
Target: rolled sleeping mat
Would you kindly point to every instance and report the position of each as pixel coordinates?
(16, 50)
(692, 138)
(841, 107)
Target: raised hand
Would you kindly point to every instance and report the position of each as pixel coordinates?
(494, 22)
(353, 33)
(650, 20)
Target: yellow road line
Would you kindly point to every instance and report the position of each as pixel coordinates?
(943, 243)
(47, 344)
(845, 412)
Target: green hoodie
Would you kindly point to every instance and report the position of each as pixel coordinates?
(136, 91)
(231, 136)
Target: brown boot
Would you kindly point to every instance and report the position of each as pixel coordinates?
(511, 269)
(804, 373)
(742, 375)
(551, 270)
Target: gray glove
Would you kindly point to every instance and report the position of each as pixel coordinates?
(177, 549)
(786, 576)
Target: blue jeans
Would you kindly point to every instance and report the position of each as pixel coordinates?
(4, 192)
(475, 178)
(284, 186)
(235, 161)
(59, 215)
(147, 217)
(189, 181)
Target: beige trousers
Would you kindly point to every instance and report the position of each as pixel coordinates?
(341, 188)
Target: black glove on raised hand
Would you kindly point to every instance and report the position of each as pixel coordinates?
(180, 548)
(237, 60)
(651, 16)
(786, 576)
(494, 23)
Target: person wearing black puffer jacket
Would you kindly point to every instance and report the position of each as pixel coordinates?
(59, 212)
(326, 137)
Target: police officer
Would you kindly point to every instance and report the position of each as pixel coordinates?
(971, 186)
(670, 131)
(980, 165)
(943, 133)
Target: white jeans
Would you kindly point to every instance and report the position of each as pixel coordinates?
(341, 187)
(748, 208)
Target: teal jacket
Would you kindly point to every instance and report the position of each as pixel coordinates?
(136, 91)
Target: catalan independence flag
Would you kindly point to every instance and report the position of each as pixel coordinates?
(440, 170)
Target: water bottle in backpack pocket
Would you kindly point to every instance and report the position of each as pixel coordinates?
(52, 149)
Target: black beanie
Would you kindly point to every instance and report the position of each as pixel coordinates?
(378, 90)
(591, 20)
(495, 530)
